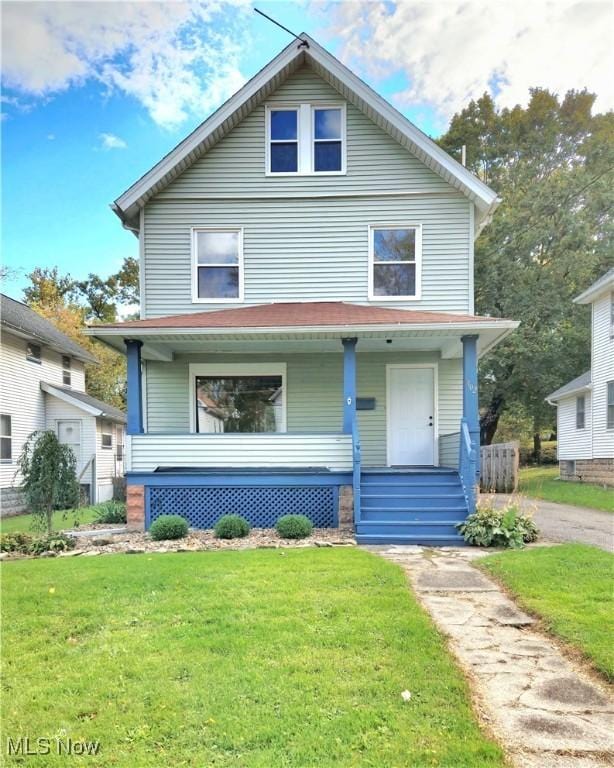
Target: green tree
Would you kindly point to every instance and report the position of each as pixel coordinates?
(49, 471)
(552, 164)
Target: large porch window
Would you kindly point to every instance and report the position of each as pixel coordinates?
(238, 399)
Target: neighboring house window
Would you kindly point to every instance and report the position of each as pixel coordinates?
(610, 406)
(106, 440)
(119, 444)
(66, 370)
(6, 439)
(33, 353)
(580, 412)
(217, 260)
(394, 262)
(305, 139)
(612, 314)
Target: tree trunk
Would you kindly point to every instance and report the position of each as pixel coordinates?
(537, 443)
(490, 419)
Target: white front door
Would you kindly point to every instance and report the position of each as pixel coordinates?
(69, 433)
(411, 415)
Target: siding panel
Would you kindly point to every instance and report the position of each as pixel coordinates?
(602, 367)
(573, 443)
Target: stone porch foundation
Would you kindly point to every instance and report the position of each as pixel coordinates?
(600, 471)
(346, 507)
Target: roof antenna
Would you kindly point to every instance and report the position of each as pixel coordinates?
(304, 43)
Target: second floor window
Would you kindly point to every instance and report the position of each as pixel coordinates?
(33, 353)
(305, 139)
(106, 435)
(394, 256)
(580, 412)
(66, 370)
(217, 265)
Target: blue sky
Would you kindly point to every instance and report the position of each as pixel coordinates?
(95, 94)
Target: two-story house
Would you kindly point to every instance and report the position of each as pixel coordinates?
(585, 406)
(42, 380)
(307, 341)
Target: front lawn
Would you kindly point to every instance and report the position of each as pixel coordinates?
(268, 658)
(543, 483)
(570, 587)
(62, 520)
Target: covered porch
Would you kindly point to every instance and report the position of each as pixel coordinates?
(338, 401)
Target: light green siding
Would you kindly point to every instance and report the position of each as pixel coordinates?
(314, 395)
(306, 237)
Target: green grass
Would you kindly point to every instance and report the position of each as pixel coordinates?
(570, 588)
(267, 658)
(543, 483)
(62, 520)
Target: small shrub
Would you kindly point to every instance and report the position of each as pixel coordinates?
(506, 527)
(16, 542)
(294, 527)
(231, 527)
(111, 512)
(56, 542)
(169, 527)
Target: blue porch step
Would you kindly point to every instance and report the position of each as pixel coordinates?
(417, 505)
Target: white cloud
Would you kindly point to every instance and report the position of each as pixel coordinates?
(111, 141)
(175, 58)
(451, 51)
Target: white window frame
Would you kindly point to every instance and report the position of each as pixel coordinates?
(609, 427)
(196, 299)
(66, 370)
(418, 262)
(106, 428)
(8, 437)
(581, 411)
(237, 369)
(305, 136)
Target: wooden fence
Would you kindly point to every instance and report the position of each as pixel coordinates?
(499, 467)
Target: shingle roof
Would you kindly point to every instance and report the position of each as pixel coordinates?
(307, 314)
(20, 318)
(580, 382)
(106, 410)
(602, 284)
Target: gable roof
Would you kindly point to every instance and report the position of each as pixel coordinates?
(22, 321)
(296, 315)
(85, 402)
(260, 87)
(576, 385)
(604, 283)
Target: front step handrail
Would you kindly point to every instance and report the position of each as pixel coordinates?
(356, 464)
(467, 466)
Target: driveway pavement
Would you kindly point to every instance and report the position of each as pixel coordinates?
(562, 522)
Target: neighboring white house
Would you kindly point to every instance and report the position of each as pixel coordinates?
(306, 261)
(585, 406)
(43, 387)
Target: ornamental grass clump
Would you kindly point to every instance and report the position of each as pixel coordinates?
(506, 527)
(111, 512)
(169, 527)
(294, 527)
(231, 527)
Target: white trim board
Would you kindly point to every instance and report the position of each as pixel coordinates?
(435, 368)
(237, 369)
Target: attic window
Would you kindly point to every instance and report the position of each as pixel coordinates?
(33, 353)
(305, 139)
(66, 365)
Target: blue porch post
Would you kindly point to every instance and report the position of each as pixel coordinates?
(349, 384)
(471, 414)
(350, 423)
(135, 389)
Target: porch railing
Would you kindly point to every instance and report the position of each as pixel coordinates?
(468, 466)
(146, 452)
(356, 453)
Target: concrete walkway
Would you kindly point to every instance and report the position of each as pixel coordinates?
(562, 522)
(546, 711)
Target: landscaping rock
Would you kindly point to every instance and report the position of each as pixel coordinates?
(48, 554)
(134, 551)
(70, 553)
(4, 555)
(102, 541)
(90, 553)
